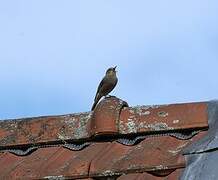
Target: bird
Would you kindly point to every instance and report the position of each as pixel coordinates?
(106, 85)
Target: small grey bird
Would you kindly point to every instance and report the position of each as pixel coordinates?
(106, 85)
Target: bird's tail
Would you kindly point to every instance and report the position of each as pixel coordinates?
(97, 98)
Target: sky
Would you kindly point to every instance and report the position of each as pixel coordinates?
(53, 54)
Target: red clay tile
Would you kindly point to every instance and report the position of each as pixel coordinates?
(99, 159)
(160, 153)
(163, 118)
(156, 155)
(53, 162)
(7, 162)
(30, 166)
(74, 164)
(58, 128)
(150, 158)
(146, 176)
(44, 129)
(106, 116)
(109, 117)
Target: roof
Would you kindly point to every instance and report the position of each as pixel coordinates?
(115, 141)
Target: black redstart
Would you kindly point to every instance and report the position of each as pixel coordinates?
(106, 85)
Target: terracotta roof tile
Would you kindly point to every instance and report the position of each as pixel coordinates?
(107, 115)
(110, 117)
(8, 161)
(116, 140)
(146, 176)
(150, 155)
(100, 159)
(163, 118)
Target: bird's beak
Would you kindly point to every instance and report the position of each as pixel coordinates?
(115, 68)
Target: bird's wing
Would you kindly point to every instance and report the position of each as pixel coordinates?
(99, 87)
(116, 82)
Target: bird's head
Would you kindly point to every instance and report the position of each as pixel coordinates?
(111, 71)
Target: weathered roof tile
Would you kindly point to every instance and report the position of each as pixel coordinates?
(116, 141)
(146, 176)
(155, 155)
(163, 118)
(110, 117)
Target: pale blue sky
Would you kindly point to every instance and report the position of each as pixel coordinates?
(54, 53)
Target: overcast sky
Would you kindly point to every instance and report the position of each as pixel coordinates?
(54, 53)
